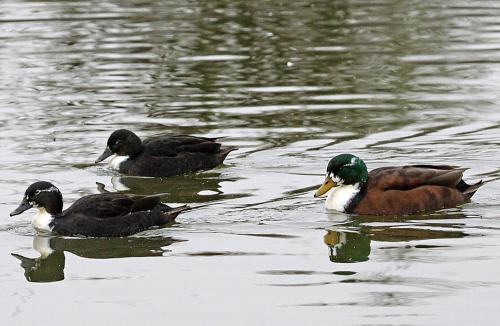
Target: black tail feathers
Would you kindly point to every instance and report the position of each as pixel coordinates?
(224, 151)
(469, 190)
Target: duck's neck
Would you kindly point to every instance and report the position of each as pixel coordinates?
(42, 221)
(341, 197)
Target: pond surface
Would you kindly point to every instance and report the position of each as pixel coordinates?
(291, 84)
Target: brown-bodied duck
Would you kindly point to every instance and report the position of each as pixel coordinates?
(400, 190)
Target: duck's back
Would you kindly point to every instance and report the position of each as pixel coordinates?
(175, 144)
(412, 189)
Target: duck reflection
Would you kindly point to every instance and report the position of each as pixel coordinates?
(347, 247)
(49, 266)
(351, 243)
(187, 188)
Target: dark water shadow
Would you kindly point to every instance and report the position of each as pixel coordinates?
(49, 266)
(193, 187)
(351, 242)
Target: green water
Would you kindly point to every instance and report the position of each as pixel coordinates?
(291, 84)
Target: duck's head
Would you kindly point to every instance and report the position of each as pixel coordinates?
(122, 142)
(42, 195)
(343, 169)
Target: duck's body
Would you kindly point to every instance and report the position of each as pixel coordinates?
(402, 190)
(114, 214)
(101, 215)
(162, 156)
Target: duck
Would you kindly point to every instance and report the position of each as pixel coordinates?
(100, 215)
(398, 190)
(162, 156)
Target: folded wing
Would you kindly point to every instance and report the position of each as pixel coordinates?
(413, 176)
(112, 205)
(414, 188)
(173, 145)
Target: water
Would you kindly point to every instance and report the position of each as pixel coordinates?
(291, 84)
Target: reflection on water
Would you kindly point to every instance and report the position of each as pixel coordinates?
(188, 188)
(49, 267)
(347, 247)
(350, 245)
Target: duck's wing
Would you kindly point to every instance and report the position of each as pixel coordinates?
(413, 189)
(413, 176)
(112, 205)
(114, 226)
(195, 139)
(173, 145)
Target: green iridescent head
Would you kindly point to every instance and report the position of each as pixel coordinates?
(344, 169)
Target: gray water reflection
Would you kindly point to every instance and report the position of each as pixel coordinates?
(291, 84)
(192, 187)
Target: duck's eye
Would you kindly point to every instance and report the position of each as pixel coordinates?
(118, 142)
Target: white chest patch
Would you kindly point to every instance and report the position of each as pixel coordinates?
(339, 197)
(116, 161)
(42, 220)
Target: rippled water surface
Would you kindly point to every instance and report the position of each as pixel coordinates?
(291, 84)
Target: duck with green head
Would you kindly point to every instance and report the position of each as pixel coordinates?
(400, 190)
